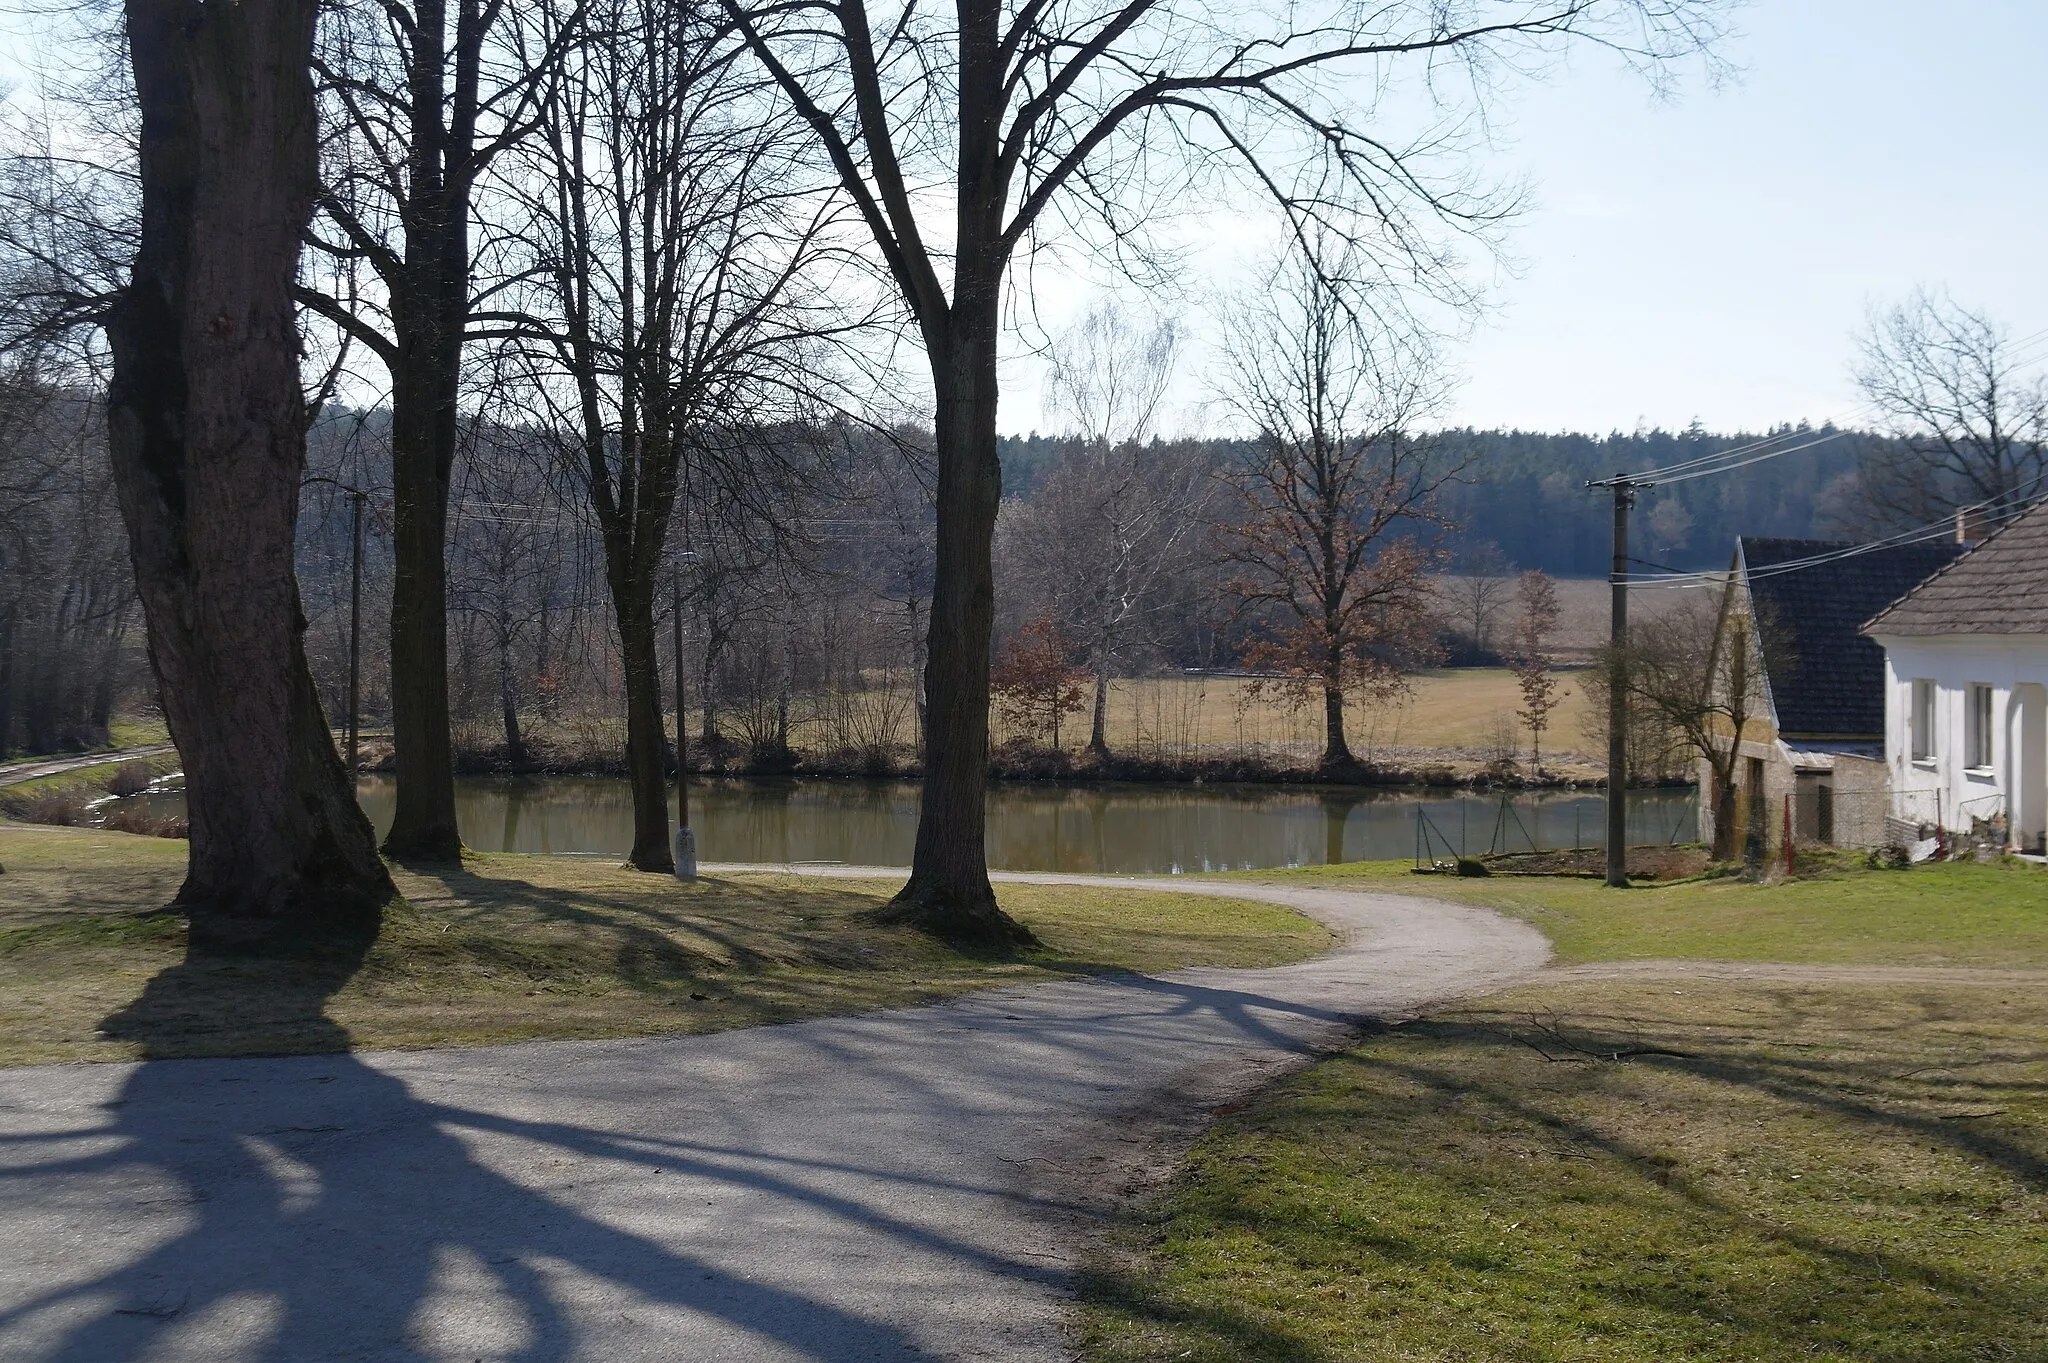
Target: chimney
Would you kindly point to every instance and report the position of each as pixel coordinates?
(1971, 524)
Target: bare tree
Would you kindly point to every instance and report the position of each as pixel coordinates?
(1698, 668)
(1116, 518)
(1968, 423)
(67, 593)
(1328, 503)
(966, 135)
(506, 553)
(421, 96)
(673, 307)
(1536, 593)
(1483, 584)
(207, 432)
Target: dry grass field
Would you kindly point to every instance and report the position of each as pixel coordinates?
(1460, 711)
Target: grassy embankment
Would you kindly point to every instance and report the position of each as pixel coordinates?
(510, 948)
(1788, 1166)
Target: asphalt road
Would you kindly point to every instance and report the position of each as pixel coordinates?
(900, 1185)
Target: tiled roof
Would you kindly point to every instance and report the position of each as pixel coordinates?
(1999, 587)
(1827, 679)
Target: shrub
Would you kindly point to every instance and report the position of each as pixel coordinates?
(61, 807)
(142, 822)
(130, 778)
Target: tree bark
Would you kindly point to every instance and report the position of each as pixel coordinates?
(422, 463)
(1336, 748)
(207, 439)
(1098, 726)
(429, 315)
(948, 893)
(508, 696)
(646, 736)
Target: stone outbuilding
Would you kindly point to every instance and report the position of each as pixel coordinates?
(1817, 730)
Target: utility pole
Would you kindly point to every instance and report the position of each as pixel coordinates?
(357, 497)
(685, 840)
(1617, 683)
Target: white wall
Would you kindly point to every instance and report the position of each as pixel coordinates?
(2006, 663)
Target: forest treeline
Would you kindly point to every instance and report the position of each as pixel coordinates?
(804, 619)
(1523, 494)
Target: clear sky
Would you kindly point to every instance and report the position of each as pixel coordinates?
(1712, 255)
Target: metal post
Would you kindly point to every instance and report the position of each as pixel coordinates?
(355, 637)
(685, 839)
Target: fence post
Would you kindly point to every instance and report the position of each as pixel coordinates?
(1788, 834)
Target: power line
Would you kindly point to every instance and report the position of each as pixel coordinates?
(1919, 534)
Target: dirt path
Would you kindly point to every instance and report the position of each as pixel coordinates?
(901, 1185)
(1781, 972)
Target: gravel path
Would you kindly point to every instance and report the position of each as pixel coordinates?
(906, 1184)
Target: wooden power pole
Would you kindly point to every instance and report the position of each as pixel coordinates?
(1617, 683)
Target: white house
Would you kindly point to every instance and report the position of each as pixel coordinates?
(1966, 690)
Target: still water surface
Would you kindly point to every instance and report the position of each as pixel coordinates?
(1132, 829)
(1128, 828)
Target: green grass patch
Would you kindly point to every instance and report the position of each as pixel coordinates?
(1949, 914)
(509, 948)
(1605, 1172)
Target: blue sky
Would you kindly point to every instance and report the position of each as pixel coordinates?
(1712, 255)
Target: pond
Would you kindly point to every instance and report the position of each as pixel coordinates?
(1131, 829)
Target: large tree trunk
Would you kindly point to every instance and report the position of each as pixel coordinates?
(949, 892)
(423, 820)
(646, 738)
(1724, 813)
(430, 312)
(1336, 748)
(207, 439)
(1098, 727)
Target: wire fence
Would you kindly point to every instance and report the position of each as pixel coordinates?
(1509, 826)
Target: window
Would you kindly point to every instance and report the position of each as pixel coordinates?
(1922, 720)
(1978, 747)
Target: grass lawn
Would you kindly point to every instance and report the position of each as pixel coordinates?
(509, 948)
(1765, 1173)
(1634, 1170)
(1951, 914)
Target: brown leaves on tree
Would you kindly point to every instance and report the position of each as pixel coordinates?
(1034, 682)
(1326, 563)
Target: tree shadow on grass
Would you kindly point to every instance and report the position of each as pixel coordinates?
(1446, 1120)
(313, 1207)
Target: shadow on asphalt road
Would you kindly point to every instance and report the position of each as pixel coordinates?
(285, 1223)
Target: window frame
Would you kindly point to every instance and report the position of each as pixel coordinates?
(1980, 728)
(1920, 708)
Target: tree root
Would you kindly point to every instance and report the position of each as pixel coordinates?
(968, 920)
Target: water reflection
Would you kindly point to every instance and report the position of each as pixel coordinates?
(1130, 829)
